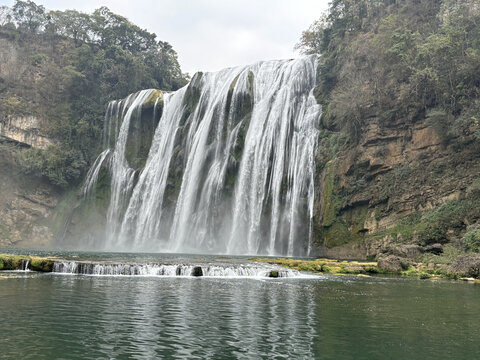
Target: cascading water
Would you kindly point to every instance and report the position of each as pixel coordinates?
(230, 169)
(186, 270)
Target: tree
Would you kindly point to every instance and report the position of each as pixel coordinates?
(72, 24)
(29, 15)
(6, 15)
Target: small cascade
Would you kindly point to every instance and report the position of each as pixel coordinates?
(185, 270)
(230, 168)
(92, 175)
(25, 264)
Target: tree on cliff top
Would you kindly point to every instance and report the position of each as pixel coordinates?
(397, 59)
(79, 62)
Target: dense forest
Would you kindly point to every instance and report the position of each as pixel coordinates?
(64, 67)
(399, 59)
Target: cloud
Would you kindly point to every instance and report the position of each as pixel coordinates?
(212, 34)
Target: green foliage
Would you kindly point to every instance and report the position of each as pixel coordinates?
(38, 59)
(29, 15)
(61, 166)
(439, 120)
(471, 239)
(13, 105)
(397, 60)
(80, 62)
(451, 215)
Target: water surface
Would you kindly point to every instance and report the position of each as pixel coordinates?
(59, 316)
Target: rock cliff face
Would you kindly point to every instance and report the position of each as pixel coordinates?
(27, 205)
(379, 192)
(24, 130)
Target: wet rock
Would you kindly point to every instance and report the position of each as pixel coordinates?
(436, 249)
(273, 274)
(197, 271)
(466, 266)
(40, 264)
(392, 264)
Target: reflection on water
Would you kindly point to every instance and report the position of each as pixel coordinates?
(82, 317)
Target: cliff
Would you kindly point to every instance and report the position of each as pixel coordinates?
(399, 157)
(400, 184)
(27, 204)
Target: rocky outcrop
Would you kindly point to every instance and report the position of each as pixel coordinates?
(466, 266)
(27, 205)
(24, 130)
(392, 264)
(373, 194)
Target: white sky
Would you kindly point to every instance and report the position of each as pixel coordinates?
(209, 35)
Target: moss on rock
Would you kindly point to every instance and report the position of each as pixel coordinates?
(18, 262)
(156, 97)
(41, 264)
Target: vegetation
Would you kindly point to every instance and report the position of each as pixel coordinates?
(18, 262)
(64, 67)
(421, 270)
(326, 266)
(399, 59)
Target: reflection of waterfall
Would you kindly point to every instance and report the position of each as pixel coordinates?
(230, 168)
(184, 319)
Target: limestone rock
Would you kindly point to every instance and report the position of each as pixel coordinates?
(392, 264)
(466, 266)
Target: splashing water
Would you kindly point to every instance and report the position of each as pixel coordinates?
(231, 166)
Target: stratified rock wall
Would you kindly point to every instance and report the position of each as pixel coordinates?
(24, 130)
(27, 205)
(374, 193)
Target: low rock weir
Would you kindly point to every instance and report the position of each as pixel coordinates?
(171, 270)
(230, 167)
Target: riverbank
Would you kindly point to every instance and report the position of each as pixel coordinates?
(25, 262)
(464, 267)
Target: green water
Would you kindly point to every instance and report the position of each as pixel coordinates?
(51, 316)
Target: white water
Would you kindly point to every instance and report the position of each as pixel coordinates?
(92, 175)
(98, 269)
(231, 173)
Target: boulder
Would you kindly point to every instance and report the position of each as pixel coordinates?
(436, 249)
(273, 274)
(197, 271)
(392, 264)
(409, 251)
(466, 266)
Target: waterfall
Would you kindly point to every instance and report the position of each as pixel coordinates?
(186, 270)
(231, 166)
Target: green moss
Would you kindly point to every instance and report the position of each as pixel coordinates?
(142, 130)
(356, 218)
(419, 273)
(273, 274)
(41, 264)
(15, 262)
(337, 234)
(330, 204)
(152, 99)
(12, 262)
(326, 266)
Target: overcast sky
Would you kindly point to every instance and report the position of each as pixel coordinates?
(210, 35)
